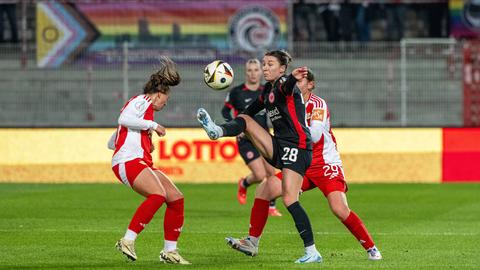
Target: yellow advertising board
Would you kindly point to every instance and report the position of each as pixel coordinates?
(187, 155)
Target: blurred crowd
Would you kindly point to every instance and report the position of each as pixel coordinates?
(345, 20)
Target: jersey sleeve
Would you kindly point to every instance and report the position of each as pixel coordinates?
(227, 109)
(111, 141)
(318, 122)
(255, 107)
(287, 86)
(132, 116)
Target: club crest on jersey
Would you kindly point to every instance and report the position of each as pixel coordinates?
(271, 97)
(140, 105)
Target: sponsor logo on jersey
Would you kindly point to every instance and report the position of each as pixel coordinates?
(248, 100)
(317, 114)
(254, 28)
(274, 114)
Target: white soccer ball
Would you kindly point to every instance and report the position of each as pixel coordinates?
(218, 75)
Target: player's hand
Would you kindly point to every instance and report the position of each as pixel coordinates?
(160, 130)
(300, 73)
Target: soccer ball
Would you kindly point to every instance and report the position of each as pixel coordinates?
(218, 75)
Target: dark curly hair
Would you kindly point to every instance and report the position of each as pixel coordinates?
(165, 76)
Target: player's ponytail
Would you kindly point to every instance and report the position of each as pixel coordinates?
(165, 76)
(282, 56)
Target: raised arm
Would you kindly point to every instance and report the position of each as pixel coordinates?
(289, 84)
(132, 116)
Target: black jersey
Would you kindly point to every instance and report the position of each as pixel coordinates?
(238, 99)
(285, 107)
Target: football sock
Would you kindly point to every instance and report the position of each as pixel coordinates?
(258, 217)
(254, 240)
(302, 223)
(272, 204)
(310, 249)
(234, 127)
(145, 212)
(245, 183)
(169, 245)
(355, 225)
(173, 220)
(130, 235)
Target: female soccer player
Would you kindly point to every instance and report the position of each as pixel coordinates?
(290, 149)
(133, 166)
(325, 172)
(237, 100)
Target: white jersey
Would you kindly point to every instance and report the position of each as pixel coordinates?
(324, 143)
(132, 139)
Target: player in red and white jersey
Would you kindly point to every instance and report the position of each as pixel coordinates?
(325, 172)
(133, 166)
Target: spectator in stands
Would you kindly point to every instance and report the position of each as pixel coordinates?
(395, 15)
(10, 9)
(362, 21)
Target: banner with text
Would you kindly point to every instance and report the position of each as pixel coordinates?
(187, 155)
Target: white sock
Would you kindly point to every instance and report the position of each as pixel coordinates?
(219, 130)
(130, 235)
(169, 245)
(254, 239)
(311, 249)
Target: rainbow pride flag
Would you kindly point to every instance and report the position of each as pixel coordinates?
(171, 23)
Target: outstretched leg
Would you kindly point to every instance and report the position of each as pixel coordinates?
(337, 201)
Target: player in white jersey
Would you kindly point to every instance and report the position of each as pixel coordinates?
(133, 166)
(325, 172)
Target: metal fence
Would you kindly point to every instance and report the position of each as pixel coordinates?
(365, 85)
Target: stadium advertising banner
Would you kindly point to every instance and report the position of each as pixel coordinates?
(187, 155)
(188, 29)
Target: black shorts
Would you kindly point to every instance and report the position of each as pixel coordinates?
(247, 150)
(286, 155)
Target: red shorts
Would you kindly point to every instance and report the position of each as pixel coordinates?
(127, 172)
(327, 178)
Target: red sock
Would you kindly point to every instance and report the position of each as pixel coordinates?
(145, 212)
(355, 225)
(258, 217)
(173, 220)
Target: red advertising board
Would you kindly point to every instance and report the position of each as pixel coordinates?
(461, 154)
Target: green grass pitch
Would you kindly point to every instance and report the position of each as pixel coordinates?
(416, 226)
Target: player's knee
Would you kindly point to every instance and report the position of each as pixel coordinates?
(289, 199)
(341, 211)
(159, 192)
(246, 117)
(175, 195)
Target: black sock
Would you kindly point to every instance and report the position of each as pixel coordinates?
(272, 203)
(234, 127)
(302, 223)
(245, 183)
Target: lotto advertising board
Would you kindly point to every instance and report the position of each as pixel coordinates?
(429, 155)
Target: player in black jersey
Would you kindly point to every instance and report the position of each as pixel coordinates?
(237, 100)
(290, 149)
